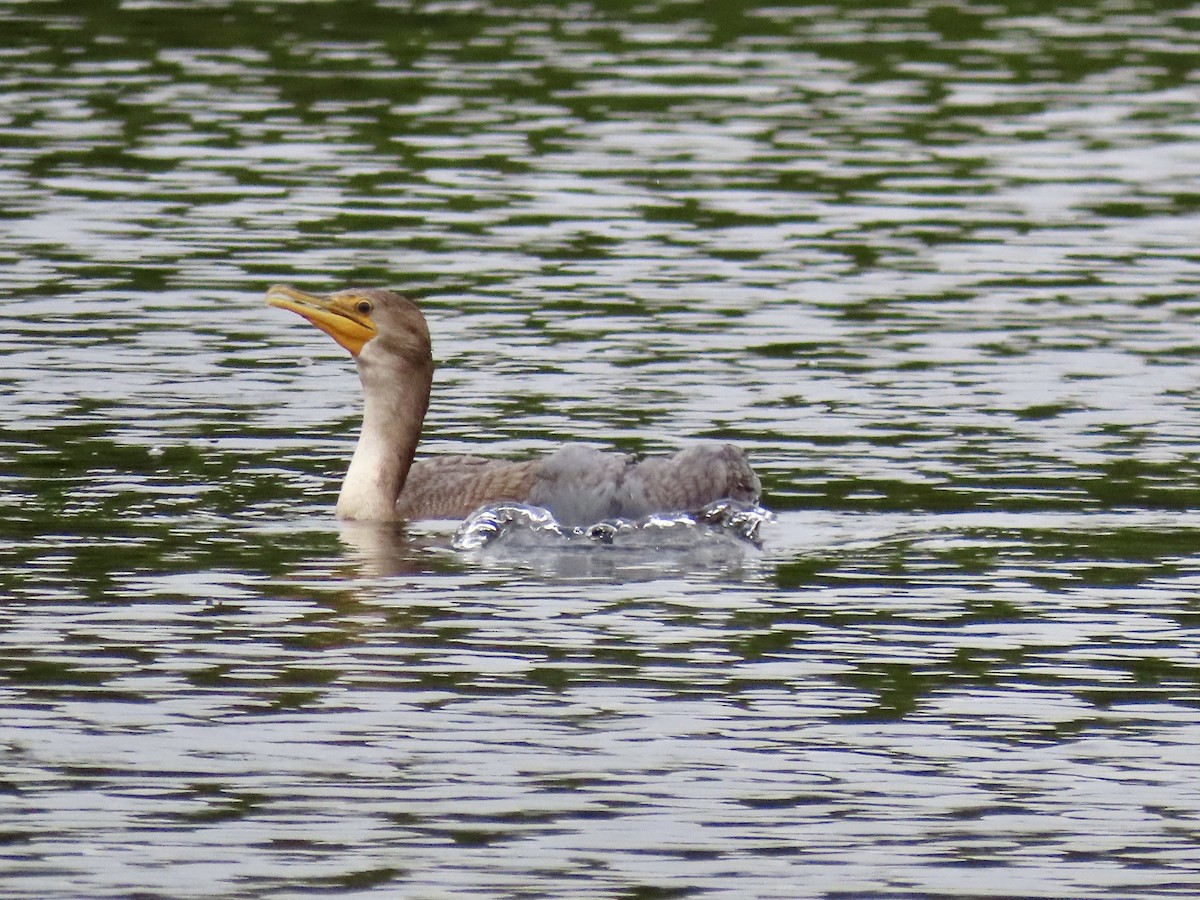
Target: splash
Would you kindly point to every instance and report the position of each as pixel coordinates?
(519, 523)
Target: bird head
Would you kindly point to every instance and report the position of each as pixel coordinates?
(355, 317)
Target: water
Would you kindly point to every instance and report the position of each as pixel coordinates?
(934, 268)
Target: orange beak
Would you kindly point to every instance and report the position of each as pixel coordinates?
(336, 316)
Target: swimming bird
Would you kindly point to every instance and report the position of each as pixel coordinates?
(389, 339)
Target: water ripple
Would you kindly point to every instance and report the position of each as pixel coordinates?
(933, 267)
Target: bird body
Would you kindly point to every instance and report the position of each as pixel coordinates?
(580, 484)
(452, 487)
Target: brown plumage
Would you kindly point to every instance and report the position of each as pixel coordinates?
(453, 487)
(389, 339)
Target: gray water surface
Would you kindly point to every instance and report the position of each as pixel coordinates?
(935, 268)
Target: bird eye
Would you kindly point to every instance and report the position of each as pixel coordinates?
(364, 306)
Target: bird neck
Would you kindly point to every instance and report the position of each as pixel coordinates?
(395, 395)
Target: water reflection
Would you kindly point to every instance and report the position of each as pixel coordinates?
(388, 549)
(934, 267)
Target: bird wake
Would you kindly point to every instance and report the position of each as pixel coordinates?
(523, 525)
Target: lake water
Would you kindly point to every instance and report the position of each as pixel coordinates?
(935, 267)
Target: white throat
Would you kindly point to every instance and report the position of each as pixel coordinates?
(373, 480)
(395, 398)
